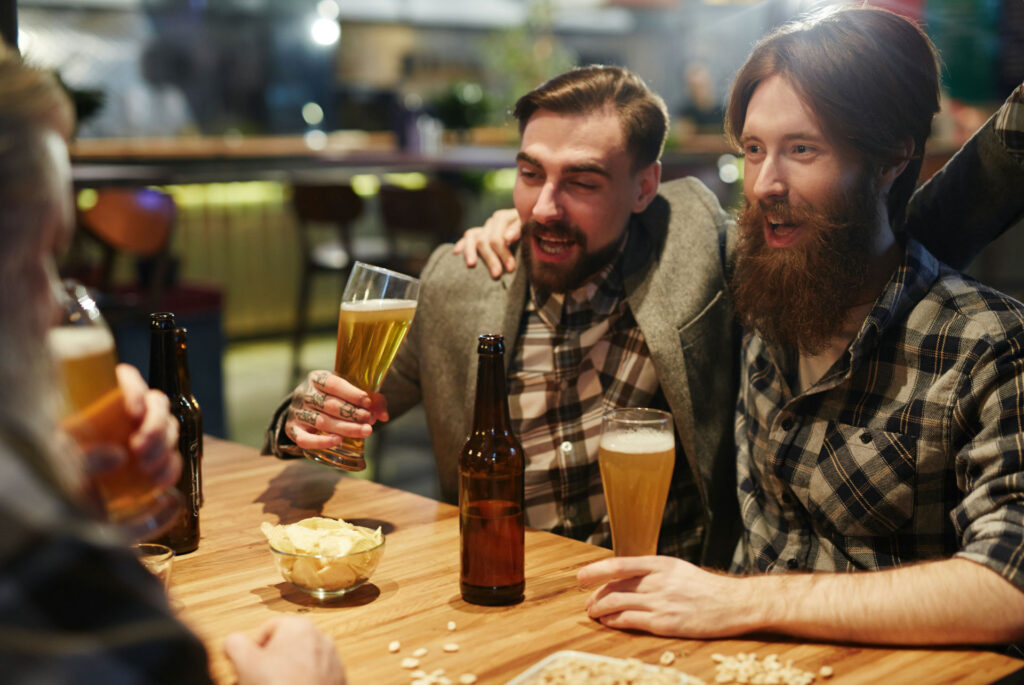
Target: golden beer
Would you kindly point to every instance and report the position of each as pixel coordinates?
(369, 335)
(94, 413)
(636, 470)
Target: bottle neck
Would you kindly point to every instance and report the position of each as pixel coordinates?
(181, 361)
(163, 374)
(491, 406)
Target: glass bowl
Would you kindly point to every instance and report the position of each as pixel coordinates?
(325, 576)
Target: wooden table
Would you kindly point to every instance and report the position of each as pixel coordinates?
(230, 583)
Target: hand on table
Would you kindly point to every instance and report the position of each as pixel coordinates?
(154, 442)
(666, 596)
(491, 242)
(285, 649)
(328, 403)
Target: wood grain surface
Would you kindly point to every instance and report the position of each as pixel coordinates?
(230, 583)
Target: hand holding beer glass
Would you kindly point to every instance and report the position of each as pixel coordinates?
(636, 456)
(377, 309)
(95, 414)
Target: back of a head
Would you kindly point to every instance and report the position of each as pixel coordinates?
(870, 77)
(592, 88)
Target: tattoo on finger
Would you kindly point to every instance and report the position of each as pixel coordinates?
(319, 379)
(348, 411)
(306, 416)
(316, 399)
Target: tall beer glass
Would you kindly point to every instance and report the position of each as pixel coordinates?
(377, 308)
(94, 413)
(636, 456)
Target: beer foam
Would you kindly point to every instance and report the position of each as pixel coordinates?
(73, 342)
(638, 441)
(377, 305)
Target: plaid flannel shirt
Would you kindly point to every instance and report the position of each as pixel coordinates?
(75, 605)
(910, 447)
(577, 356)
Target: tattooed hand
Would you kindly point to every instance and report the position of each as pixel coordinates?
(326, 407)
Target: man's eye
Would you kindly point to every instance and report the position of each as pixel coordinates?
(802, 149)
(584, 185)
(751, 149)
(527, 173)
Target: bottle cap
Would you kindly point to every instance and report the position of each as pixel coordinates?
(491, 343)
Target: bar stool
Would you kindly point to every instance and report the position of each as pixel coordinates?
(137, 222)
(335, 205)
(416, 221)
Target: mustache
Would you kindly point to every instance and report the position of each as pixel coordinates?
(557, 229)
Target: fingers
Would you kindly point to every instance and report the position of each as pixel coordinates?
(155, 442)
(134, 388)
(333, 385)
(617, 568)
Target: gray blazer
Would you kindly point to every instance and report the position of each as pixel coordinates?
(676, 254)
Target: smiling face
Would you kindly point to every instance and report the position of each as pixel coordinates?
(814, 229)
(575, 191)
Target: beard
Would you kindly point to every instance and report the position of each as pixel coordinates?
(564, 276)
(797, 297)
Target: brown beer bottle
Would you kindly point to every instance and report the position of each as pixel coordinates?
(491, 521)
(164, 374)
(192, 407)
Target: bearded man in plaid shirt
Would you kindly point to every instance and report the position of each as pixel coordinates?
(880, 423)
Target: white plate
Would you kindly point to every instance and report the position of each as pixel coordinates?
(538, 668)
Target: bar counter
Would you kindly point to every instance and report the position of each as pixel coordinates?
(230, 583)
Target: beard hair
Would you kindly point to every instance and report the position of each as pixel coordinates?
(563, 278)
(797, 297)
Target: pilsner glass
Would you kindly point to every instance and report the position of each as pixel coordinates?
(94, 413)
(376, 310)
(636, 456)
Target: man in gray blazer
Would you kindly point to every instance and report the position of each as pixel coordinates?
(622, 302)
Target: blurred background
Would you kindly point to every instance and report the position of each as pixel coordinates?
(259, 146)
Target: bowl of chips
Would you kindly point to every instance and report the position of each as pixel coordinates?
(324, 557)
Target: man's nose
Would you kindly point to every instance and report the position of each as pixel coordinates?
(769, 181)
(547, 208)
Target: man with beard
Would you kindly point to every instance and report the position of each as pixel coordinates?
(623, 303)
(881, 412)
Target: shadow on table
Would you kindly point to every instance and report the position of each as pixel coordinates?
(299, 491)
(270, 595)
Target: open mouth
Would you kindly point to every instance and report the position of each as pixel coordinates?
(780, 234)
(553, 246)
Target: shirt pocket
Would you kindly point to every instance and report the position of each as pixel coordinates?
(864, 481)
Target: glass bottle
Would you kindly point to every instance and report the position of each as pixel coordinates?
(185, 382)
(164, 375)
(491, 520)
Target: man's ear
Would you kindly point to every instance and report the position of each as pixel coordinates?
(891, 170)
(648, 180)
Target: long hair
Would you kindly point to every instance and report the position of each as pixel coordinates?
(32, 106)
(583, 90)
(869, 75)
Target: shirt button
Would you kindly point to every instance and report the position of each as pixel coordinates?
(865, 437)
(787, 424)
(791, 564)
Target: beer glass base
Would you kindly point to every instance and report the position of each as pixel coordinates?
(337, 458)
(152, 521)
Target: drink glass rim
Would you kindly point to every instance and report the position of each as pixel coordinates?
(384, 270)
(638, 416)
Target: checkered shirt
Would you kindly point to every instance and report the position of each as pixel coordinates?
(577, 356)
(1009, 124)
(910, 447)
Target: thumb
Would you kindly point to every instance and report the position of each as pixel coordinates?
(243, 652)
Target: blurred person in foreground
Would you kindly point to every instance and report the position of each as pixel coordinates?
(75, 604)
(622, 302)
(880, 425)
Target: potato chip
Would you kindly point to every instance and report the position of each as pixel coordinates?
(333, 546)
